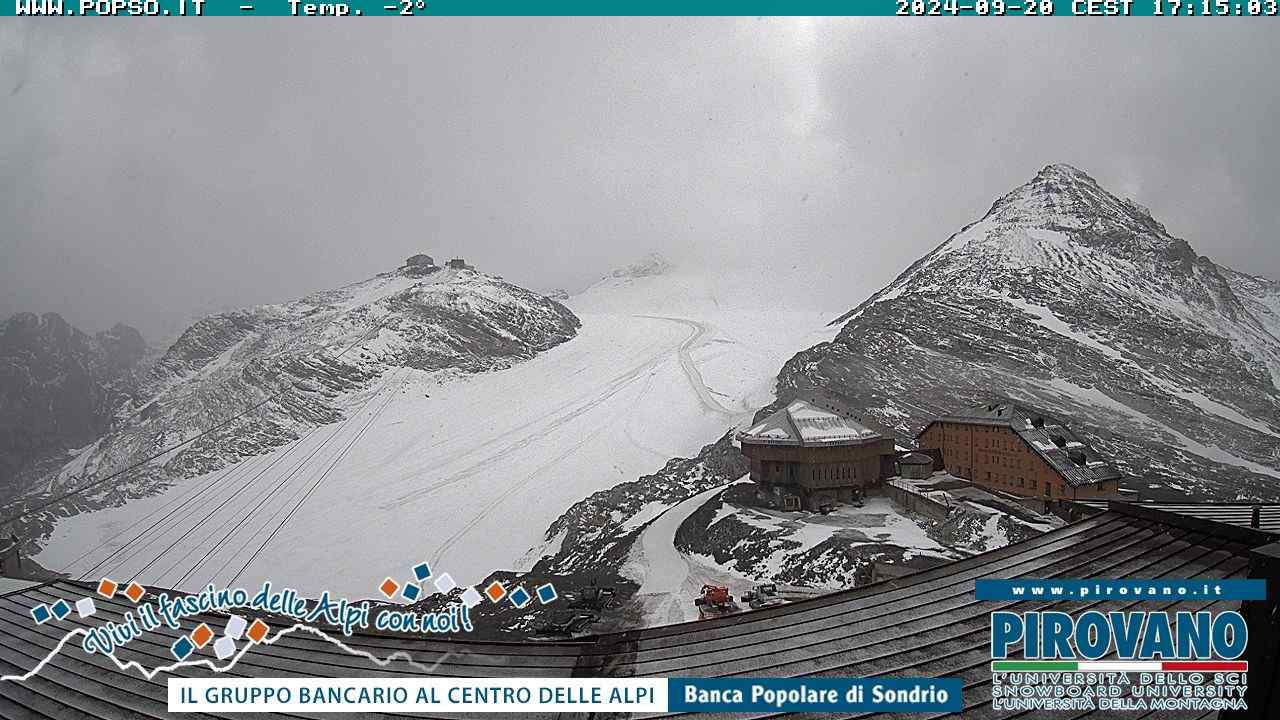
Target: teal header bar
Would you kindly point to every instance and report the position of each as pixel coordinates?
(428, 8)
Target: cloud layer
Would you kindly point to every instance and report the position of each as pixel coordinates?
(153, 171)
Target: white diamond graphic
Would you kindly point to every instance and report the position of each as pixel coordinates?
(224, 647)
(445, 583)
(85, 607)
(235, 627)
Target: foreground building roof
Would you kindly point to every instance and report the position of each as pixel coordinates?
(813, 422)
(924, 624)
(1051, 439)
(1263, 517)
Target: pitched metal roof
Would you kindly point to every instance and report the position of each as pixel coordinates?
(817, 421)
(1238, 514)
(926, 624)
(1074, 459)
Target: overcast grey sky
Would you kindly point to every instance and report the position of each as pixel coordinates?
(151, 171)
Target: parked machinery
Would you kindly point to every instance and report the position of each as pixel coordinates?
(715, 602)
(592, 597)
(566, 623)
(762, 596)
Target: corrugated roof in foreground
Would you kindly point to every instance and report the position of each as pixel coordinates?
(1239, 514)
(925, 624)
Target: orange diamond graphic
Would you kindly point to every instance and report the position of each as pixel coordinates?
(495, 591)
(201, 635)
(107, 588)
(134, 592)
(257, 630)
(389, 588)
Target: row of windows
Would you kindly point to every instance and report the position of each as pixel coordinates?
(833, 472)
(1006, 461)
(819, 472)
(995, 443)
(1019, 482)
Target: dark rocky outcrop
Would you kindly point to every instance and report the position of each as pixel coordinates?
(59, 389)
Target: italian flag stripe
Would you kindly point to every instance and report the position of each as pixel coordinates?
(1119, 666)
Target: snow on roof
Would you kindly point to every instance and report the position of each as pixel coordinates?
(803, 422)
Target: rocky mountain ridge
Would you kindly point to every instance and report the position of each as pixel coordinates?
(299, 365)
(1069, 297)
(59, 389)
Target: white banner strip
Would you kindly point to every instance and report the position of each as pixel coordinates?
(459, 695)
(1117, 666)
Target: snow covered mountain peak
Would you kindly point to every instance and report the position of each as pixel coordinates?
(1065, 199)
(1068, 296)
(1062, 234)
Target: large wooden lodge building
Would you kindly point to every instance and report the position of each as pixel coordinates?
(1018, 449)
(815, 451)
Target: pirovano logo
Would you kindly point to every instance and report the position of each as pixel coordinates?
(1119, 659)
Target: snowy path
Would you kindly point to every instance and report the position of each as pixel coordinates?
(698, 338)
(669, 579)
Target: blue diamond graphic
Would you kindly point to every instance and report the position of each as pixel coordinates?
(422, 571)
(182, 648)
(410, 592)
(546, 593)
(61, 609)
(41, 614)
(520, 597)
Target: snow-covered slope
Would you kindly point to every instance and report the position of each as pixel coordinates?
(427, 462)
(310, 373)
(747, 320)
(1072, 298)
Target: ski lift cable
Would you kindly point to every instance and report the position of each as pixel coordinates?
(238, 512)
(259, 502)
(310, 490)
(262, 501)
(262, 507)
(337, 458)
(319, 480)
(192, 502)
(217, 426)
(195, 509)
(198, 506)
(222, 477)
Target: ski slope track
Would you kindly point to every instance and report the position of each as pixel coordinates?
(669, 579)
(463, 464)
